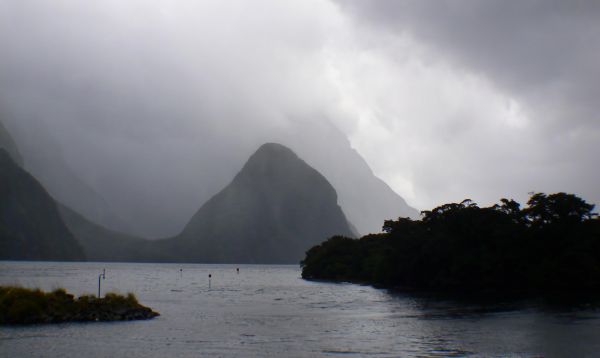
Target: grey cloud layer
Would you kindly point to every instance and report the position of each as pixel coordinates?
(545, 51)
(155, 104)
(161, 101)
(545, 54)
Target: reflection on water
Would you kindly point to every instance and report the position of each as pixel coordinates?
(271, 311)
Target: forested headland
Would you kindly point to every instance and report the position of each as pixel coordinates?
(550, 245)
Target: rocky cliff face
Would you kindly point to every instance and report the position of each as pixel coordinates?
(275, 208)
(30, 226)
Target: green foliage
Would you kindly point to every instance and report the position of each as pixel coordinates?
(553, 244)
(20, 305)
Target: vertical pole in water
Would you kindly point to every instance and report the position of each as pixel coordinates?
(180, 272)
(238, 270)
(102, 276)
(209, 276)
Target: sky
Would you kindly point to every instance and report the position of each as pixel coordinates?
(445, 100)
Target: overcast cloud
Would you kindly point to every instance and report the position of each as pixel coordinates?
(444, 100)
(514, 88)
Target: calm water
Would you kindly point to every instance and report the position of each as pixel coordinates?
(271, 311)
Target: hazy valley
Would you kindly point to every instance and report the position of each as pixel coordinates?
(273, 211)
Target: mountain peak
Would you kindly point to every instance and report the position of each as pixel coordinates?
(272, 147)
(273, 152)
(274, 210)
(276, 167)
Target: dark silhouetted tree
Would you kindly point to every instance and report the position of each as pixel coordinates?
(551, 245)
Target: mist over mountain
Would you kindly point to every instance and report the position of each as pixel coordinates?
(364, 197)
(151, 185)
(45, 160)
(30, 225)
(102, 244)
(275, 208)
(157, 116)
(271, 212)
(8, 144)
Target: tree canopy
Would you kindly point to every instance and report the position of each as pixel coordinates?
(552, 244)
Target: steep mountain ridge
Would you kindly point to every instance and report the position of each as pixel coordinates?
(8, 144)
(43, 158)
(275, 208)
(30, 225)
(156, 181)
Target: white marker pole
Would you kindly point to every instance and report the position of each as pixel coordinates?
(101, 276)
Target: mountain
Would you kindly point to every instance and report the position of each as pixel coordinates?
(96, 242)
(275, 208)
(366, 199)
(102, 244)
(8, 144)
(45, 161)
(30, 225)
(150, 183)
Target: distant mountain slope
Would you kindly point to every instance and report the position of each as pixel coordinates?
(155, 182)
(366, 199)
(7, 143)
(275, 208)
(43, 158)
(30, 226)
(97, 242)
(102, 244)
(272, 212)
